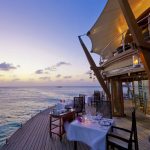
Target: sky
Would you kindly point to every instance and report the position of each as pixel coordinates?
(39, 41)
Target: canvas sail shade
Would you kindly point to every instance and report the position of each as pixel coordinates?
(106, 33)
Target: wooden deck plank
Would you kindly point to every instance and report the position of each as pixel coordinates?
(43, 138)
(32, 139)
(40, 135)
(47, 144)
(12, 141)
(27, 135)
(28, 142)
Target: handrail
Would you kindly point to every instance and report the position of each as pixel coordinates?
(117, 36)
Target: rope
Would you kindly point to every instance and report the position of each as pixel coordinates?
(82, 35)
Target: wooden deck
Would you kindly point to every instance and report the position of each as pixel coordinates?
(34, 135)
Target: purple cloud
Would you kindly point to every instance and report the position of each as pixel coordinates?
(88, 72)
(44, 78)
(58, 76)
(16, 79)
(51, 68)
(81, 80)
(6, 66)
(40, 71)
(62, 63)
(67, 77)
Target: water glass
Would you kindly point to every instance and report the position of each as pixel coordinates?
(88, 114)
(99, 115)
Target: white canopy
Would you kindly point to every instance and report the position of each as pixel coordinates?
(106, 34)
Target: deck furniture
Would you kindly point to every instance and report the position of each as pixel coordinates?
(56, 123)
(96, 98)
(104, 107)
(90, 132)
(117, 140)
(83, 96)
(79, 105)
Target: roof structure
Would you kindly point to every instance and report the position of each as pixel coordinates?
(106, 33)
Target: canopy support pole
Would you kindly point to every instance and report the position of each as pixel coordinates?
(137, 34)
(95, 69)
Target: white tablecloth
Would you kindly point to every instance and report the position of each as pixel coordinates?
(62, 105)
(90, 133)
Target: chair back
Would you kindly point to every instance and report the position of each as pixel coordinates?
(78, 104)
(96, 95)
(83, 96)
(104, 107)
(133, 135)
(102, 96)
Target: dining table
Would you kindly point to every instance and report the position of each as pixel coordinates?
(91, 131)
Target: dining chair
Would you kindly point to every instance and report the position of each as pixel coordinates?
(104, 107)
(96, 97)
(121, 141)
(79, 105)
(83, 95)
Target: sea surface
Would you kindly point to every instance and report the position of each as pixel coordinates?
(19, 104)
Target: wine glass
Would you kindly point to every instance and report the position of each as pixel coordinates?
(88, 114)
(99, 115)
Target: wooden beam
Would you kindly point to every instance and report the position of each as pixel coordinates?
(95, 69)
(132, 23)
(136, 32)
(145, 57)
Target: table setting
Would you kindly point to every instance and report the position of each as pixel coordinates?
(90, 130)
(62, 106)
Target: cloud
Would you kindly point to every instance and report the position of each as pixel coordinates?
(46, 72)
(7, 66)
(39, 71)
(52, 68)
(67, 77)
(88, 72)
(58, 76)
(62, 63)
(81, 80)
(44, 78)
(16, 79)
(18, 66)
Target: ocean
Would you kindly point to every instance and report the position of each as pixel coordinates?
(19, 104)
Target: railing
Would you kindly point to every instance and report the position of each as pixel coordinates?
(124, 45)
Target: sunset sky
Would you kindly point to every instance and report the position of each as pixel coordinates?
(39, 44)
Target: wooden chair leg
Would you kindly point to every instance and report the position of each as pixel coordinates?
(75, 145)
(50, 127)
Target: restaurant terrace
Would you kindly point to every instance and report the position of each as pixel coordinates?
(121, 38)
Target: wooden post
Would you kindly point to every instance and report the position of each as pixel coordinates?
(117, 97)
(95, 69)
(133, 95)
(120, 94)
(136, 32)
(112, 95)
